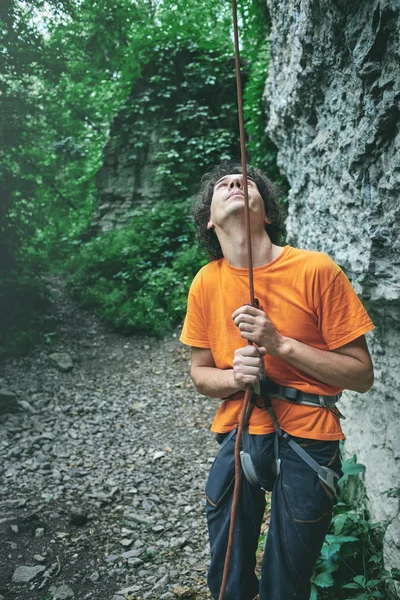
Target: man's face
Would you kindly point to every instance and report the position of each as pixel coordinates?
(228, 200)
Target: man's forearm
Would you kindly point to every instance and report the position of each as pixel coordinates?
(330, 367)
(213, 382)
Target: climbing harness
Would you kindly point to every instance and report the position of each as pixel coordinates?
(325, 474)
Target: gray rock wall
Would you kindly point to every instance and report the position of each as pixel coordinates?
(178, 121)
(333, 95)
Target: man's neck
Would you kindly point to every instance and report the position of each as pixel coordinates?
(234, 248)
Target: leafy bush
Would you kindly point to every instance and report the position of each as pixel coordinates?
(71, 71)
(25, 303)
(137, 277)
(350, 565)
(183, 111)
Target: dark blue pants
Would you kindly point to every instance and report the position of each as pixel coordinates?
(301, 511)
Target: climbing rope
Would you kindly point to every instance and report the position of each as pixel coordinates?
(247, 406)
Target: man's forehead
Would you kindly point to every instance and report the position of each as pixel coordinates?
(233, 175)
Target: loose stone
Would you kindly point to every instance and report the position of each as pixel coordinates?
(62, 361)
(39, 533)
(135, 562)
(178, 542)
(26, 574)
(63, 592)
(132, 553)
(79, 474)
(39, 558)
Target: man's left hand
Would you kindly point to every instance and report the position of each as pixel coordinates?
(256, 327)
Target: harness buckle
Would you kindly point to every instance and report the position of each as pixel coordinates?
(290, 393)
(328, 478)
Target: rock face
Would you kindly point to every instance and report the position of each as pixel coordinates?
(334, 94)
(179, 120)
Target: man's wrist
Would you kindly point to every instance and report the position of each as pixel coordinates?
(234, 383)
(284, 347)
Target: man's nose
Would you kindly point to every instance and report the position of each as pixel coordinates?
(236, 181)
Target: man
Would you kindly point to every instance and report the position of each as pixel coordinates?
(309, 331)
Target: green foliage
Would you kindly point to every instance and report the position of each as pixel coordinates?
(350, 564)
(24, 312)
(186, 103)
(66, 70)
(351, 467)
(137, 277)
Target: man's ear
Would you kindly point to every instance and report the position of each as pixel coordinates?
(267, 221)
(210, 225)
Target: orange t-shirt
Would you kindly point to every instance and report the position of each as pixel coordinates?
(307, 297)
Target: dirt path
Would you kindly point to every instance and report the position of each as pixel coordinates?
(103, 468)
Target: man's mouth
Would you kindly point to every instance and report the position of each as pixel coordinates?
(236, 194)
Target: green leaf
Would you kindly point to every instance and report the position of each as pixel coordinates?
(314, 592)
(329, 550)
(373, 583)
(327, 566)
(376, 558)
(350, 467)
(323, 580)
(341, 539)
(339, 523)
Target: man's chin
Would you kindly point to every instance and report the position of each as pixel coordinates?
(235, 204)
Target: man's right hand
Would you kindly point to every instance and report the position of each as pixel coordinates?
(247, 364)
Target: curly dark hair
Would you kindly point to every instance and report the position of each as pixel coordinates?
(202, 206)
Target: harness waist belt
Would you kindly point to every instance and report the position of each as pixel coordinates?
(293, 395)
(274, 390)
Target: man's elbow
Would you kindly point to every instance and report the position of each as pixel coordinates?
(198, 388)
(366, 382)
(196, 380)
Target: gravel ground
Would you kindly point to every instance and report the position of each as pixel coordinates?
(102, 468)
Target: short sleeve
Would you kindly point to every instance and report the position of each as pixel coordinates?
(341, 316)
(194, 332)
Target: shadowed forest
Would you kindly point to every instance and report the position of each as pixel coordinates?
(110, 113)
(73, 72)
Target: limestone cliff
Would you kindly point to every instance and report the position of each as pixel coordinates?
(178, 121)
(333, 96)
